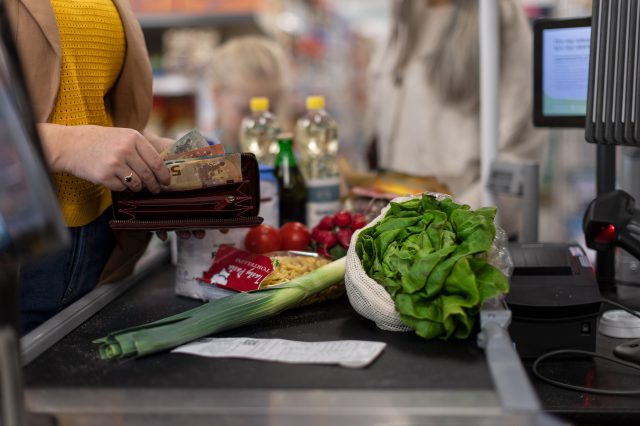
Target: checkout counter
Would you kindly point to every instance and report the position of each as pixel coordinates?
(412, 382)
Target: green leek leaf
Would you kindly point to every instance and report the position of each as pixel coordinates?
(218, 315)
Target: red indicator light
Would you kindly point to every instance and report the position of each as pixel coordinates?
(605, 235)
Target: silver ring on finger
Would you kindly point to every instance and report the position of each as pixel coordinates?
(128, 178)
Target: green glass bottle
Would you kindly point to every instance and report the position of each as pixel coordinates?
(291, 188)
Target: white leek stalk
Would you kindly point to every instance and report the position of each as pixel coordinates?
(218, 315)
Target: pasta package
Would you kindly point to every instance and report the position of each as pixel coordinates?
(234, 270)
(292, 264)
(287, 267)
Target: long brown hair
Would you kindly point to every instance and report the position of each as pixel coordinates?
(453, 69)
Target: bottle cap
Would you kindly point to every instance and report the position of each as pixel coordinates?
(285, 136)
(259, 104)
(315, 102)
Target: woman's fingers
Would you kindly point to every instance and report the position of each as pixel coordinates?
(159, 143)
(144, 175)
(129, 158)
(159, 172)
(115, 184)
(147, 169)
(131, 180)
(184, 235)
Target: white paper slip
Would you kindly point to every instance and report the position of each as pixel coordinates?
(346, 353)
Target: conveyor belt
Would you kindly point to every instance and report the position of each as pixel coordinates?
(408, 362)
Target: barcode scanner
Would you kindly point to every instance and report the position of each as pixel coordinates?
(612, 220)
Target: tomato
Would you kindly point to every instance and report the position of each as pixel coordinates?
(295, 236)
(262, 239)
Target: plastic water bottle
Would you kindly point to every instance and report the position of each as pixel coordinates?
(317, 141)
(259, 132)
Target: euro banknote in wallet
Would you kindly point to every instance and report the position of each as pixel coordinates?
(204, 172)
(189, 142)
(207, 151)
(195, 163)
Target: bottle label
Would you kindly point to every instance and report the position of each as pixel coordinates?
(269, 202)
(323, 199)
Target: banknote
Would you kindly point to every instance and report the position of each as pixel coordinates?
(169, 163)
(207, 151)
(203, 173)
(191, 141)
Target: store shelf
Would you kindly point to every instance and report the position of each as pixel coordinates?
(191, 20)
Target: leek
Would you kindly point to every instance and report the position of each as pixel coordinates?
(218, 315)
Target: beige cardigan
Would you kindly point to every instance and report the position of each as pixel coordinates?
(419, 134)
(35, 31)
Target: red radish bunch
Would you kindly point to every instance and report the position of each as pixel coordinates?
(333, 234)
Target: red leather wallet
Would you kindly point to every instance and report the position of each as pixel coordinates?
(232, 205)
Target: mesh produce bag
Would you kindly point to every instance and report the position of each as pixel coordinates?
(372, 301)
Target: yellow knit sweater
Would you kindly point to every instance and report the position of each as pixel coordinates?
(93, 49)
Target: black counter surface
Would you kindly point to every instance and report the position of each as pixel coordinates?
(408, 362)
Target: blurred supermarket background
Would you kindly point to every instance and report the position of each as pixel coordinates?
(330, 43)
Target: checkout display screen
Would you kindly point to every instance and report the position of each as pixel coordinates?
(565, 71)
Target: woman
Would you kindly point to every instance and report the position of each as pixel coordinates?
(89, 77)
(425, 98)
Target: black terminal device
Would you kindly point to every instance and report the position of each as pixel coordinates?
(561, 71)
(554, 298)
(613, 220)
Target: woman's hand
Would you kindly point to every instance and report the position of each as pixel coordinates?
(159, 143)
(183, 235)
(115, 157)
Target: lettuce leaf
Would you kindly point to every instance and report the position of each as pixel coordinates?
(428, 255)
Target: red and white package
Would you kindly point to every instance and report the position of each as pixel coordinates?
(238, 270)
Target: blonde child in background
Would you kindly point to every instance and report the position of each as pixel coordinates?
(243, 68)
